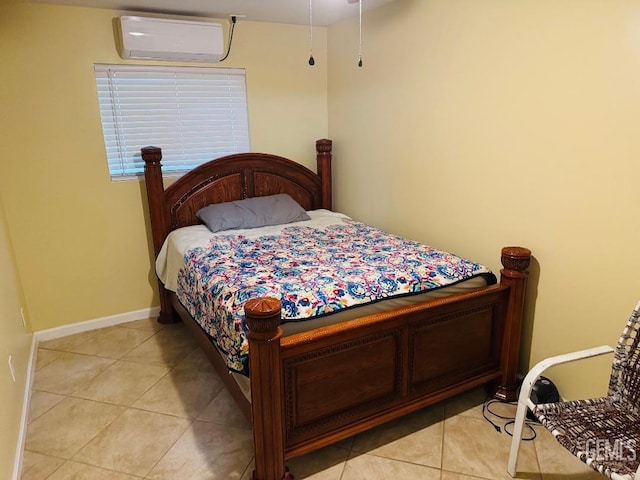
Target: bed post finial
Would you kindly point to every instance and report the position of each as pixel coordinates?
(151, 155)
(515, 261)
(263, 318)
(159, 229)
(323, 156)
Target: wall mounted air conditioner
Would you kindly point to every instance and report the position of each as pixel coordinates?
(166, 39)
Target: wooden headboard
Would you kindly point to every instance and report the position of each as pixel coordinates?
(231, 178)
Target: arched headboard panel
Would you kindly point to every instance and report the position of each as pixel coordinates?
(231, 178)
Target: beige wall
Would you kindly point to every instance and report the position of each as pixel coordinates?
(81, 242)
(476, 124)
(14, 342)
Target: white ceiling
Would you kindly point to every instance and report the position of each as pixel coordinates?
(325, 12)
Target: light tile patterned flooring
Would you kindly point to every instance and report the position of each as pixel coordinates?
(140, 400)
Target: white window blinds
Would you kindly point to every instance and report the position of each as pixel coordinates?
(194, 114)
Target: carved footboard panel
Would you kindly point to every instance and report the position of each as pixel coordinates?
(347, 378)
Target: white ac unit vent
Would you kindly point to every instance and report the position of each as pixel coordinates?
(166, 39)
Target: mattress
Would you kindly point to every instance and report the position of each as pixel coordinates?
(176, 269)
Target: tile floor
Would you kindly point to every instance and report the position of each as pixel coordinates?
(140, 401)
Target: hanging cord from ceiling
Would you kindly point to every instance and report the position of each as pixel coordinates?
(360, 35)
(312, 61)
(233, 27)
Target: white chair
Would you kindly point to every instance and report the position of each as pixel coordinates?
(602, 432)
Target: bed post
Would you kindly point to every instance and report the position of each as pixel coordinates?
(515, 261)
(323, 157)
(159, 229)
(263, 320)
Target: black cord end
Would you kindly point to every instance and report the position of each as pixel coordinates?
(312, 61)
(359, 62)
(233, 19)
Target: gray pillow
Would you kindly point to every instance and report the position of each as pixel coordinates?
(252, 213)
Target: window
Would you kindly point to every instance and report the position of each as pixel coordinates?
(194, 114)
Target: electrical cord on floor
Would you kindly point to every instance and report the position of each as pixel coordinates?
(508, 420)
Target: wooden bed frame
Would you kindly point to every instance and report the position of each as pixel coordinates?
(314, 388)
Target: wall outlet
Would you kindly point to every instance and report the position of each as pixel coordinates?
(24, 322)
(12, 369)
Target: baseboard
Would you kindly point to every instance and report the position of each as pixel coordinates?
(24, 417)
(58, 332)
(71, 329)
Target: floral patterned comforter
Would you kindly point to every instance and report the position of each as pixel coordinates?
(312, 271)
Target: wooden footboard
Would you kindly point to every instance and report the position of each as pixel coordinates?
(311, 389)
